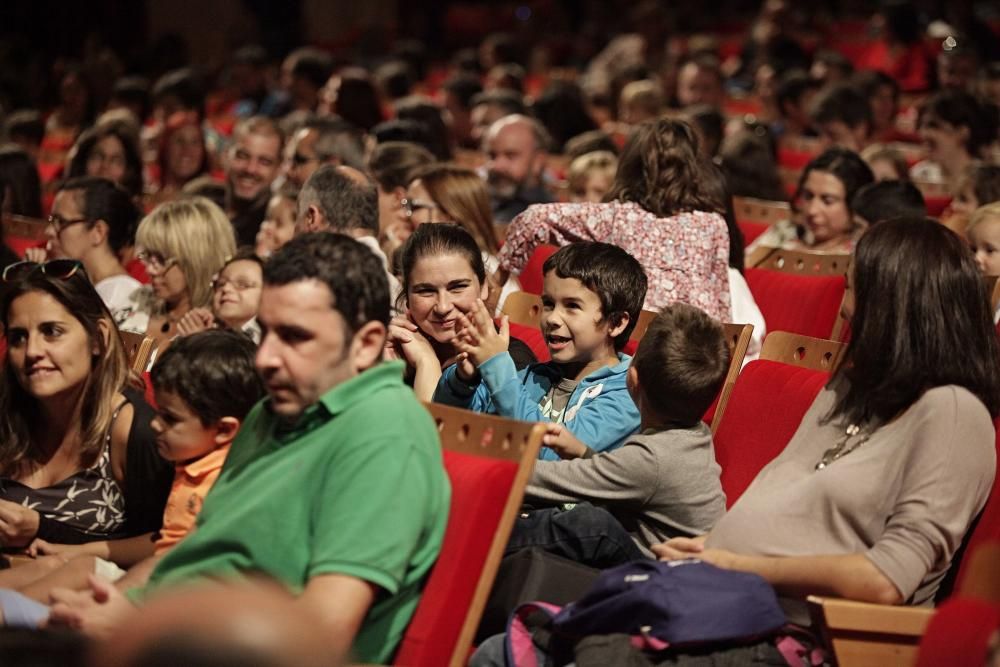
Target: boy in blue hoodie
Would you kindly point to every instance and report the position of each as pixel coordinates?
(591, 298)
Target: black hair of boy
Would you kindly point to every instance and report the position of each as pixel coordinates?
(884, 200)
(681, 361)
(614, 275)
(213, 372)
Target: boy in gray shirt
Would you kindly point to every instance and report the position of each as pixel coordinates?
(663, 482)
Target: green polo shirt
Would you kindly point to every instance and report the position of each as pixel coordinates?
(356, 486)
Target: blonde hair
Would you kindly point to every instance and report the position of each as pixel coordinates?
(894, 156)
(196, 233)
(581, 168)
(644, 95)
(983, 214)
(461, 195)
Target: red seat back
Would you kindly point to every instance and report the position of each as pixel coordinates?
(531, 275)
(532, 337)
(959, 633)
(801, 304)
(751, 230)
(479, 491)
(987, 527)
(764, 411)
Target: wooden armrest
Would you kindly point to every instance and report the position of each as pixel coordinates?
(838, 614)
(862, 634)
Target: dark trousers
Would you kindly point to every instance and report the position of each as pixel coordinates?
(585, 534)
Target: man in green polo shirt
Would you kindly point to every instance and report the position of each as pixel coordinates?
(334, 486)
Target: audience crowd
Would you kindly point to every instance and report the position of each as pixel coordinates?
(318, 241)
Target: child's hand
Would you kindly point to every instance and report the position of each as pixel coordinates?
(477, 336)
(195, 320)
(563, 443)
(40, 547)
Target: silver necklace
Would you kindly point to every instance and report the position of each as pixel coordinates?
(841, 449)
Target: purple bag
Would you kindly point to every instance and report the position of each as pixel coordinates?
(678, 603)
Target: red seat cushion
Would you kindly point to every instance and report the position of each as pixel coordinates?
(20, 245)
(532, 337)
(531, 275)
(987, 526)
(764, 411)
(806, 305)
(479, 490)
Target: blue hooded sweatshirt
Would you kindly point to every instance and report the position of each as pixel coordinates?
(600, 412)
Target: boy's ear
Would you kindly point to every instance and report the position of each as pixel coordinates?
(226, 429)
(616, 328)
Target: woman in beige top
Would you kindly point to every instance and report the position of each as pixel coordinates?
(871, 498)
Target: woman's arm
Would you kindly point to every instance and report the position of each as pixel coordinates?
(124, 552)
(850, 576)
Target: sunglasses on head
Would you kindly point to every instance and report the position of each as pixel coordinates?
(60, 269)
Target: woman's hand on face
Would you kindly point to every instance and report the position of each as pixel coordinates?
(409, 343)
(478, 337)
(195, 320)
(18, 524)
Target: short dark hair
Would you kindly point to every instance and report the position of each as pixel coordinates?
(884, 200)
(183, 84)
(841, 102)
(312, 64)
(464, 87)
(354, 275)
(607, 270)
(962, 109)
(507, 100)
(903, 342)
(213, 372)
(403, 130)
(27, 124)
(792, 86)
(682, 361)
(346, 205)
(100, 199)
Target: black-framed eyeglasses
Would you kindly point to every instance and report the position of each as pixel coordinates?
(61, 223)
(60, 269)
(411, 206)
(156, 261)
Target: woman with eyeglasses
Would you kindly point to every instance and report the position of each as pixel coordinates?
(93, 220)
(78, 463)
(235, 298)
(184, 244)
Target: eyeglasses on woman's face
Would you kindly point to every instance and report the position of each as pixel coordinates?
(60, 223)
(154, 261)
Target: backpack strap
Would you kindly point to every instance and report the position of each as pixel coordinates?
(519, 646)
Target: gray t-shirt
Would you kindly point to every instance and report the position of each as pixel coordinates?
(659, 484)
(904, 499)
(553, 404)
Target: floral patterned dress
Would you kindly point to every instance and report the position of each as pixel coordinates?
(685, 256)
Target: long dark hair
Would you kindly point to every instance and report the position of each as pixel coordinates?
(19, 174)
(19, 410)
(660, 170)
(922, 319)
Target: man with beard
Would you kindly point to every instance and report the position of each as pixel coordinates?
(516, 148)
(254, 160)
